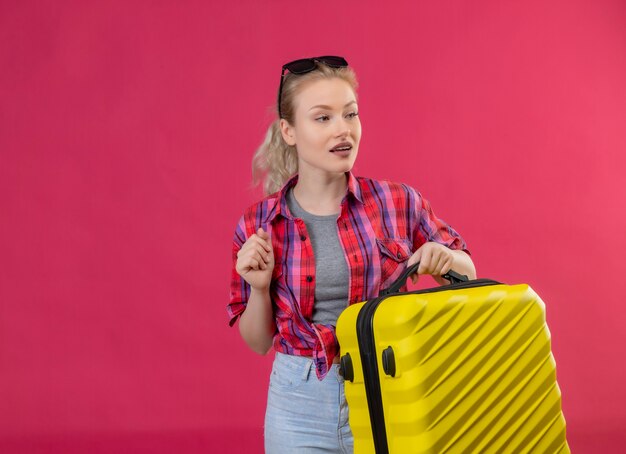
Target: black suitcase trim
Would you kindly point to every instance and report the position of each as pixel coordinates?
(367, 348)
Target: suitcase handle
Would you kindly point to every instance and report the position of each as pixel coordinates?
(452, 276)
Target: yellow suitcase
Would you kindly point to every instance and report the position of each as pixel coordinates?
(462, 368)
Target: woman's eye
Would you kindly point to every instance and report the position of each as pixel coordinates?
(353, 114)
(323, 117)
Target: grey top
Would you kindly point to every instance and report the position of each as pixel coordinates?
(331, 269)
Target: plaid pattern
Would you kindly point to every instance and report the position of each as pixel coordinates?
(380, 225)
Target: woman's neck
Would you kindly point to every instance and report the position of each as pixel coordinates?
(320, 194)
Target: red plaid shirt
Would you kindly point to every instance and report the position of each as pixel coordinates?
(380, 225)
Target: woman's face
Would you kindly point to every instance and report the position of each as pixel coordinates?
(326, 115)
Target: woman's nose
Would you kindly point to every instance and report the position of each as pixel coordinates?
(343, 128)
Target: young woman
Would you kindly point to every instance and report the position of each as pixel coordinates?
(322, 239)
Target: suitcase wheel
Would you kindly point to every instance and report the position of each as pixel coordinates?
(389, 362)
(345, 368)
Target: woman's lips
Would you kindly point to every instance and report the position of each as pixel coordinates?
(342, 149)
(341, 153)
(344, 144)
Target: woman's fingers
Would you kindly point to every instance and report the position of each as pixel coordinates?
(256, 264)
(265, 237)
(260, 257)
(263, 243)
(256, 240)
(446, 265)
(248, 264)
(425, 261)
(263, 234)
(441, 263)
(260, 252)
(435, 259)
(253, 259)
(412, 260)
(255, 244)
(435, 263)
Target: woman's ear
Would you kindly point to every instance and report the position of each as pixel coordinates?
(287, 132)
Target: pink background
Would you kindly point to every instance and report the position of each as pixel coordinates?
(126, 134)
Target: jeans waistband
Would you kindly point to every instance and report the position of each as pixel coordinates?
(302, 365)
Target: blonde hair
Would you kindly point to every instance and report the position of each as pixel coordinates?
(275, 161)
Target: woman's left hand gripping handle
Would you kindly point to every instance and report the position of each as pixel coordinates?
(255, 260)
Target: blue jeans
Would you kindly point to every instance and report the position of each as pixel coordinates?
(304, 414)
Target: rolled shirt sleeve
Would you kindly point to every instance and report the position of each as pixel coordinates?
(428, 227)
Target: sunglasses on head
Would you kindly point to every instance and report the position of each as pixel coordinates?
(306, 65)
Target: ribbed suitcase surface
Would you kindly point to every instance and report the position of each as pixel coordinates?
(474, 372)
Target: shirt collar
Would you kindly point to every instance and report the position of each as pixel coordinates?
(281, 208)
(354, 187)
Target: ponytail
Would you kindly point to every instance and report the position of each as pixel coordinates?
(274, 161)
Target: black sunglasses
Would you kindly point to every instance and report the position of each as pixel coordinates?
(306, 65)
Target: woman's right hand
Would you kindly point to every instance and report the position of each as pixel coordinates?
(255, 260)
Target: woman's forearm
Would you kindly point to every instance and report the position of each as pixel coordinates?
(256, 324)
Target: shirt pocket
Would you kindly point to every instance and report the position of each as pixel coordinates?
(394, 253)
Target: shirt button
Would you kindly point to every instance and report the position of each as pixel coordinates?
(309, 278)
(399, 255)
(302, 237)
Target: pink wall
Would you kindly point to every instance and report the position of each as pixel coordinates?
(126, 133)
